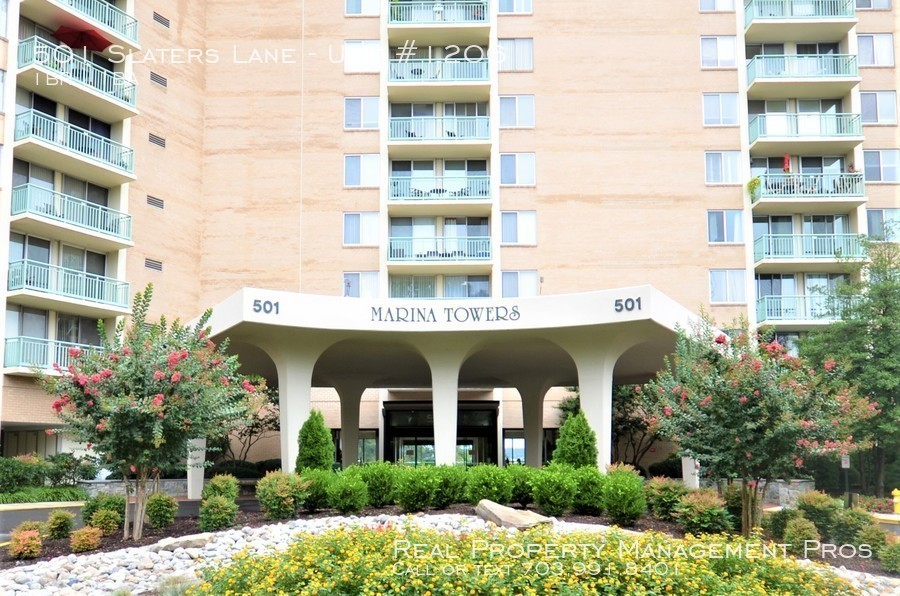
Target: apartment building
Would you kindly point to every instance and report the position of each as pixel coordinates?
(401, 158)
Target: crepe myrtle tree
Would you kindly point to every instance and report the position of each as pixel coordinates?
(748, 410)
(149, 389)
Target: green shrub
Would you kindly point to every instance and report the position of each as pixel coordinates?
(873, 535)
(348, 493)
(223, 485)
(847, 524)
(669, 467)
(775, 523)
(797, 532)
(733, 500)
(28, 526)
(487, 481)
(25, 544)
(106, 520)
(268, 465)
(281, 494)
(85, 539)
(16, 472)
(238, 469)
(103, 501)
(623, 494)
(662, 496)
(577, 443)
(379, 479)
(317, 491)
(589, 492)
(64, 469)
(820, 509)
(59, 524)
(217, 513)
(316, 445)
(161, 510)
(414, 488)
(890, 556)
(521, 477)
(450, 486)
(703, 512)
(44, 494)
(553, 488)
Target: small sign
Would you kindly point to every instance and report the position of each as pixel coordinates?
(845, 462)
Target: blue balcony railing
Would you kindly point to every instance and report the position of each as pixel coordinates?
(440, 128)
(807, 124)
(440, 188)
(444, 248)
(776, 185)
(798, 9)
(808, 246)
(34, 352)
(430, 71)
(802, 66)
(106, 14)
(36, 200)
(799, 308)
(439, 11)
(68, 283)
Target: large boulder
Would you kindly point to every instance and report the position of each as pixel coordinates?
(192, 541)
(507, 517)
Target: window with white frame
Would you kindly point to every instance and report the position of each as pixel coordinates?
(516, 55)
(362, 170)
(884, 224)
(723, 167)
(879, 107)
(361, 229)
(876, 49)
(520, 284)
(368, 8)
(518, 227)
(882, 165)
(360, 112)
(873, 4)
(362, 56)
(727, 285)
(717, 5)
(517, 169)
(361, 284)
(720, 109)
(725, 226)
(718, 52)
(517, 111)
(515, 6)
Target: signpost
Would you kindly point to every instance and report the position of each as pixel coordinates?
(845, 465)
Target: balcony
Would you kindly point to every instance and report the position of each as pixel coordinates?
(41, 285)
(455, 195)
(29, 353)
(434, 22)
(440, 136)
(439, 80)
(443, 249)
(798, 20)
(801, 76)
(815, 193)
(44, 212)
(798, 311)
(58, 145)
(808, 132)
(58, 73)
(114, 24)
(778, 250)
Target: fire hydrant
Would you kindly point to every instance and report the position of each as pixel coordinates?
(896, 493)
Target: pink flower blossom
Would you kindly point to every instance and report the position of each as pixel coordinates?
(115, 357)
(176, 376)
(706, 401)
(667, 411)
(133, 469)
(49, 431)
(743, 400)
(159, 375)
(830, 364)
(751, 483)
(96, 378)
(161, 415)
(247, 386)
(637, 388)
(721, 338)
(74, 352)
(749, 455)
(81, 380)
(158, 399)
(90, 403)
(224, 381)
(126, 351)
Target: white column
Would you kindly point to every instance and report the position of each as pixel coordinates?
(295, 370)
(350, 392)
(595, 385)
(532, 393)
(445, 391)
(196, 457)
(690, 472)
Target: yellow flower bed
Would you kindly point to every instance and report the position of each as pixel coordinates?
(424, 562)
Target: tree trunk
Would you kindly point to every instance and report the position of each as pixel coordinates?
(879, 471)
(750, 510)
(140, 504)
(126, 481)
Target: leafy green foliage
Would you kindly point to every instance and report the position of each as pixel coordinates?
(873, 535)
(820, 509)
(224, 485)
(217, 513)
(663, 495)
(669, 467)
(22, 471)
(414, 488)
(34, 494)
(379, 479)
(85, 539)
(554, 488)
(521, 480)
(450, 486)
(281, 494)
(348, 493)
(490, 482)
(66, 470)
(106, 520)
(623, 495)
(589, 493)
(577, 443)
(847, 524)
(161, 510)
(890, 556)
(59, 524)
(316, 445)
(776, 522)
(317, 491)
(797, 532)
(25, 544)
(703, 512)
(37, 526)
(103, 501)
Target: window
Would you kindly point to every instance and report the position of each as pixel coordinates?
(876, 49)
(361, 284)
(879, 107)
(361, 170)
(727, 285)
(515, 6)
(368, 446)
(77, 330)
(362, 56)
(882, 165)
(874, 4)
(360, 112)
(412, 286)
(26, 322)
(517, 111)
(720, 109)
(517, 169)
(361, 228)
(725, 226)
(717, 52)
(723, 167)
(884, 224)
(717, 5)
(518, 227)
(516, 55)
(2, 87)
(520, 284)
(368, 8)
(467, 286)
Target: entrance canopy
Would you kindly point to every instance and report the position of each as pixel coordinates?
(300, 341)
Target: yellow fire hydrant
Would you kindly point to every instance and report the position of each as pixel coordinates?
(896, 493)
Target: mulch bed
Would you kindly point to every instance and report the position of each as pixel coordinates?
(184, 526)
